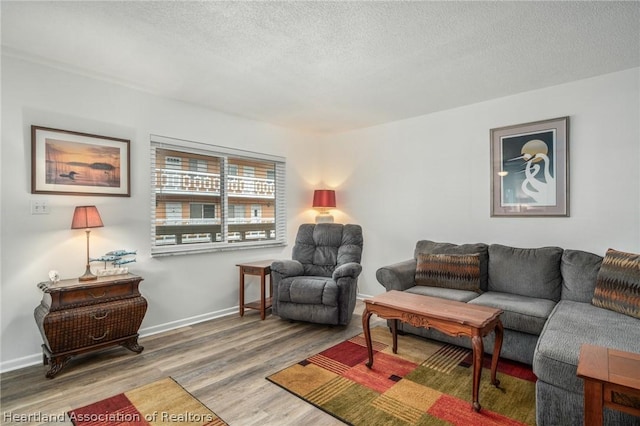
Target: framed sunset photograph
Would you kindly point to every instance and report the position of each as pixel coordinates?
(74, 163)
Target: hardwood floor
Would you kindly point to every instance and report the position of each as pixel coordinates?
(222, 362)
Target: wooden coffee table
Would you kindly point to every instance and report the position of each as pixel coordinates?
(611, 379)
(448, 316)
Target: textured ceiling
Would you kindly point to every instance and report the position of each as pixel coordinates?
(328, 66)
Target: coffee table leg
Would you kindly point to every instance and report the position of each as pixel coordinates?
(394, 331)
(366, 315)
(497, 347)
(478, 352)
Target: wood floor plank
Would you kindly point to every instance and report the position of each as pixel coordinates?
(222, 362)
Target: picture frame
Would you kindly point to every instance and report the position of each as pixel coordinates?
(530, 169)
(65, 162)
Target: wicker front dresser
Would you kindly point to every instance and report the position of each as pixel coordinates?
(76, 317)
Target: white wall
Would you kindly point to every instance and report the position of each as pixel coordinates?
(179, 289)
(429, 177)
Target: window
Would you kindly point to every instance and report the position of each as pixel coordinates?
(196, 165)
(202, 211)
(208, 197)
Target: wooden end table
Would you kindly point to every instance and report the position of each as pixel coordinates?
(448, 316)
(261, 269)
(610, 377)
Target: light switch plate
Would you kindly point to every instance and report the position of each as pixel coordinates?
(39, 207)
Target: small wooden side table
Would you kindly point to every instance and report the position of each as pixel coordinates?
(261, 269)
(611, 379)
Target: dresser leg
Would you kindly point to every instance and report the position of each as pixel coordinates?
(132, 345)
(57, 364)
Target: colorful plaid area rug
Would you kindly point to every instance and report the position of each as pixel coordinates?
(425, 383)
(161, 402)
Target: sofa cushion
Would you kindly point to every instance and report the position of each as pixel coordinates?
(456, 271)
(618, 283)
(444, 293)
(521, 313)
(426, 246)
(579, 270)
(309, 290)
(572, 324)
(527, 272)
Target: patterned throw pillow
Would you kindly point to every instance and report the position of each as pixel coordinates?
(618, 283)
(455, 271)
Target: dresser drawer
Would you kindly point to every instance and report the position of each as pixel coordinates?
(75, 293)
(97, 294)
(71, 329)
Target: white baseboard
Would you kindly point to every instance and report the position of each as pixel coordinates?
(29, 360)
(361, 296)
(25, 361)
(149, 331)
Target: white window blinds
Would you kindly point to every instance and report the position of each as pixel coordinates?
(207, 197)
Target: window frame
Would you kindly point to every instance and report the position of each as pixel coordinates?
(224, 154)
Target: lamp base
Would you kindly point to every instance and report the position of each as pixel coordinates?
(88, 275)
(324, 218)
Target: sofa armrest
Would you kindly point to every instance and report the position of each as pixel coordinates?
(399, 276)
(287, 268)
(351, 270)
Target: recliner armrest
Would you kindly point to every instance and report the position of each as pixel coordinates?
(351, 270)
(287, 268)
(399, 276)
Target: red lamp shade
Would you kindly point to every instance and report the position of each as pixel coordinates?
(324, 198)
(86, 217)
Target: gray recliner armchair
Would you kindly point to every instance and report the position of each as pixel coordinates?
(320, 283)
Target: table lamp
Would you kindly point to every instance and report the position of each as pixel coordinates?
(86, 217)
(323, 200)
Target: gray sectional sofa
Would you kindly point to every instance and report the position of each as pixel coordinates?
(546, 296)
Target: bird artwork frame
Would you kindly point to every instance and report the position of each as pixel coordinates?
(73, 163)
(530, 169)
